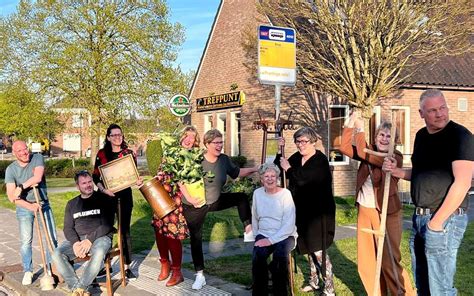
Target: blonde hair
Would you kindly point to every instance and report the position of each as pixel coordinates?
(184, 134)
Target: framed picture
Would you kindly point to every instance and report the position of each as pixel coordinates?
(119, 174)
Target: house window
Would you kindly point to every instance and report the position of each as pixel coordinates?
(207, 122)
(337, 115)
(77, 120)
(221, 124)
(234, 133)
(72, 142)
(403, 126)
(462, 104)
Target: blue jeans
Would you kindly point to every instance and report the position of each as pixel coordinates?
(278, 267)
(65, 253)
(433, 254)
(26, 220)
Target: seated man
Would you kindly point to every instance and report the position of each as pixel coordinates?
(273, 221)
(88, 228)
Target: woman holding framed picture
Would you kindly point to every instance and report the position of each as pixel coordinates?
(115, 147)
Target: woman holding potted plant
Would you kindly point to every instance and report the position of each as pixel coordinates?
(172, 229)
(220, 166)
(115, 147)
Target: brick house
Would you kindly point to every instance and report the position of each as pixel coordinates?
(75, 139)
(222, 71)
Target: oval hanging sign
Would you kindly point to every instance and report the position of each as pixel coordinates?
(179, 105)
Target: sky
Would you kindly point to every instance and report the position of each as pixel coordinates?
(196, 16)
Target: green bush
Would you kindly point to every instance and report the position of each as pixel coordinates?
(3, 167)
(246, 185)
(62, 168)
(153, 156)
(239, 160)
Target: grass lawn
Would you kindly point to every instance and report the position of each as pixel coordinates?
(343, 256)
(219, 226)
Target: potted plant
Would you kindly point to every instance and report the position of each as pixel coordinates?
(184, 165)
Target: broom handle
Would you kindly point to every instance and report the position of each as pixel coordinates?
(40, 238)
(43, 220)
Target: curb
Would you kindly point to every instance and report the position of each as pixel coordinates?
(16, 286)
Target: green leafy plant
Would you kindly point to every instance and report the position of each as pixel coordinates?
(183, 165)
(246, 185)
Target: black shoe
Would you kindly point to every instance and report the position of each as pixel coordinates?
(130, 275)
(103, 272)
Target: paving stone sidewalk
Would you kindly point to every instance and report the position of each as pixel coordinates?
(145, 265)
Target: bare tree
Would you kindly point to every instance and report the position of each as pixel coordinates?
(359, 51)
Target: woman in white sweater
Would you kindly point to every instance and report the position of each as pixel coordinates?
(273, 223)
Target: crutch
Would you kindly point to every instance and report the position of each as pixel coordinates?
(380, 234)
(290, 257)
(46, 229)
(47, 281)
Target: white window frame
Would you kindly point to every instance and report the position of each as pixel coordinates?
(345, 160)
(234, 133)
(207, 122)
(222, 128)
(406, 151)
(77, 120)
(72, 142)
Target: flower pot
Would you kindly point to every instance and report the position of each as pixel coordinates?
(158, 198)
(197, 191)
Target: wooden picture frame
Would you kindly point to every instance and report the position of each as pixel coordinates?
(119, 174)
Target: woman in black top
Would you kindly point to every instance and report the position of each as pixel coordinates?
(310, 183)
(115, 147)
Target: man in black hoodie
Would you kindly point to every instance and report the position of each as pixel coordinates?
(88, 228)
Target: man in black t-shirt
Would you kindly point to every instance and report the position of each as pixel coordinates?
(88, 228)
(442, 166)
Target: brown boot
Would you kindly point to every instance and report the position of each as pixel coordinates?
(165, 269)
(176, 276)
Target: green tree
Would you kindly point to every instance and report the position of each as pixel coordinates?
(114, 58)
(25, 116)
(361, 51)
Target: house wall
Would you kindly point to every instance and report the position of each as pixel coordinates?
(225, 63)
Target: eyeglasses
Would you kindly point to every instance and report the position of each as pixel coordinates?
(116, 136)
(217, 143)
(302, 142)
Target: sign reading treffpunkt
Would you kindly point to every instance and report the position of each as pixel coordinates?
(222, 101)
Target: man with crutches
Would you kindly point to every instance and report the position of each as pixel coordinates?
(20, 177)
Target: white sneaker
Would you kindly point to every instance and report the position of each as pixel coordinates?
(27, 278)
(249, 237)
(199, 282)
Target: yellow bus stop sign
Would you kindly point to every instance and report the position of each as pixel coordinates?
(276, 55)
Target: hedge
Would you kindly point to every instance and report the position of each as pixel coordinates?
(58, 168)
